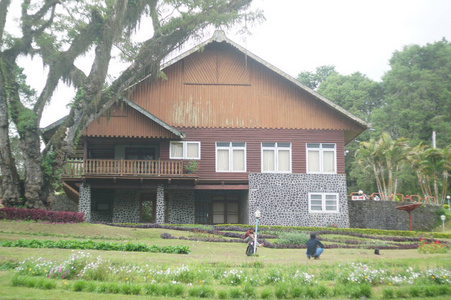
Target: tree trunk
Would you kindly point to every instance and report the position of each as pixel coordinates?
(10, 178)
(34, 179)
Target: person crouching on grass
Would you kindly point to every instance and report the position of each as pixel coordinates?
(314, 247)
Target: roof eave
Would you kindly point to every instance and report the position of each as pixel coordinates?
(154, 118)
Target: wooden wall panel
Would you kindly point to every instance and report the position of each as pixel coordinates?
(270, 101)
(124, 121)
(253, 139)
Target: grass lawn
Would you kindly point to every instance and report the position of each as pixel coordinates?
(279, 272)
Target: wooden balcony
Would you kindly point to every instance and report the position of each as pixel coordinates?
(122, 167)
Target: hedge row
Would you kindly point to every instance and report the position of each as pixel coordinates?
(91, 245)
(20, 214)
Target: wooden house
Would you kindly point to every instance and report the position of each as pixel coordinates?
(263, 142)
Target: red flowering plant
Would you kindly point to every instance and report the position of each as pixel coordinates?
(431, 247)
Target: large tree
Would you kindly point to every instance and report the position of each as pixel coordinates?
(62, 31)
(418, 94)
(359, 95)
(314, 79)
(356, 93)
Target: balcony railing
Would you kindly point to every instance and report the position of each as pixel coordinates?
(122, 167)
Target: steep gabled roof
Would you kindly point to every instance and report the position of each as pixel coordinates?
(219, 36)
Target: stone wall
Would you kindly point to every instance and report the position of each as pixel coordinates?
(181, 207)
(84, 204)
(126, 206)
(63, 203)
(384, 215)
(283, 199)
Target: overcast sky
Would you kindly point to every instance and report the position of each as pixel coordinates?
(352, 35)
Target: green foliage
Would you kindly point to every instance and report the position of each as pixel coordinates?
(356, 93)
(431, 247)
(418, 93)
(33, 282)
(385, 157)
(292, 238)
(201, 292)
(7, 265)
(89, 244)
(266, 293)
(358, 291)
(192, 166)
(313, 80)
(281, 290)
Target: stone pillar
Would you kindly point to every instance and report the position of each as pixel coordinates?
(160, 205)
(84, 203)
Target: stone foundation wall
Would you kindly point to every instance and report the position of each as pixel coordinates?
(181, 207)
(84, 204)
(63, 203)
(126, 206)
(384, 215)
(283, 199)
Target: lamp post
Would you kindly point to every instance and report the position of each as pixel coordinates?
(257, 217)
(443, 217)
(447, 198)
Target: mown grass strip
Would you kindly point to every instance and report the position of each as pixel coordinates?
(92, 245)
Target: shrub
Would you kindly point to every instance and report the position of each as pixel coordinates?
(152, 289)
(89, 244)
(130, 289)
(292, 238)
(24, 214)
(388, 293)
(201, 292)
(236, 293)
(281, 290)
(266, 293)
(222, 294)
(432, 247)
(177, 290)
(79, 285)
(60, 272)
(249, 291)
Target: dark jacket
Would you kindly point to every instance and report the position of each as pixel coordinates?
(312, 244)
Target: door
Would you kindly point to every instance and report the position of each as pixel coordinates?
(148, 208)
(225, 210)
(202, 212)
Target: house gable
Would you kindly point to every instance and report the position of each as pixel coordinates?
(223, 87)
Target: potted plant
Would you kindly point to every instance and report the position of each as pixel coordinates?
(192, 166)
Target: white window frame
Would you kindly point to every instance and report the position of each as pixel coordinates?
(321, 149)
(184, 149)
(232, 146)
(323, 203)
(276, 148)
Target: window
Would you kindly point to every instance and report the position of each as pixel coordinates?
(276, 157)
(184, 150)
(323, 202)
(230, 157)
(321, 158)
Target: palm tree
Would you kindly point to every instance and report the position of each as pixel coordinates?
(386, 157)
(433, 168)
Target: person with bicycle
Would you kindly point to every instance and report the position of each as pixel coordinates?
(249, 238)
